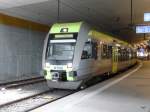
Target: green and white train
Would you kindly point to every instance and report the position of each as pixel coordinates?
(74, 53)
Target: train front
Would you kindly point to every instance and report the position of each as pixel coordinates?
(59, 55)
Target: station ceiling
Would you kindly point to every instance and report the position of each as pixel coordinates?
(111, 15)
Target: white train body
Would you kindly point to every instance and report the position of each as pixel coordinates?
(74, 53)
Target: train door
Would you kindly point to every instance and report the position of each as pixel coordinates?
(114, 59)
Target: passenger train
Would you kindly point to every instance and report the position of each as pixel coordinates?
(74, 53)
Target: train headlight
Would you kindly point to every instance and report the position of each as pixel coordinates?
(47, 65)
(69, 65)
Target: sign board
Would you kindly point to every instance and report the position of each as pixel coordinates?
(142, 29)
(146, 17)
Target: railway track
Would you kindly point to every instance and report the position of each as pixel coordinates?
(50, 101)
(43, 98)
(18, 83)
(34, 101)
(21, 99)
(39, 95)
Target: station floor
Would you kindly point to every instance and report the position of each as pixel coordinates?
(128, 92)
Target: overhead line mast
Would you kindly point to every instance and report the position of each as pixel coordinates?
(58, 11)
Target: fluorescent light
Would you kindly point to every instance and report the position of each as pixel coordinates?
(63, 41)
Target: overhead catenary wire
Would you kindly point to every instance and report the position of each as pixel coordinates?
(82, 15)
(58, 11)
(131, 12)
(91, 11)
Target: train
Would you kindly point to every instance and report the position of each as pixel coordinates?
(74, 53)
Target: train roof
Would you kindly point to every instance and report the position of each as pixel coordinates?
(106, 37)
(74, 27)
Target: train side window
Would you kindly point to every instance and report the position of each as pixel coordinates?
(94, 50)
(87, 51)
(106, 51)
(119, 54)
(48, 50)
(124, 55)
(109, 51)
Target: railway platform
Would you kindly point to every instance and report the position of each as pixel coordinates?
(128, 92)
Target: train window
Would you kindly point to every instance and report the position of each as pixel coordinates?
(48, 51)
(94, 50)
(87, 51)
(60, 51)
(119, 54)
(106, 51)
(122, 54)
(133, 54)
(109, 51)
(126, 54)
(130, 54)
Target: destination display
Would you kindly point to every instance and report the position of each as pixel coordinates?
(64, 36)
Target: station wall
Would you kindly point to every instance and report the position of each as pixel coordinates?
(20, 51)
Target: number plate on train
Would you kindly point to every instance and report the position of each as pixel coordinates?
(58, 67)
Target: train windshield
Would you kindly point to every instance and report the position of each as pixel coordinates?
(60, 51)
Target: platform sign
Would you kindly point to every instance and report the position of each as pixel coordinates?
(146, 17)
(142, 29)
